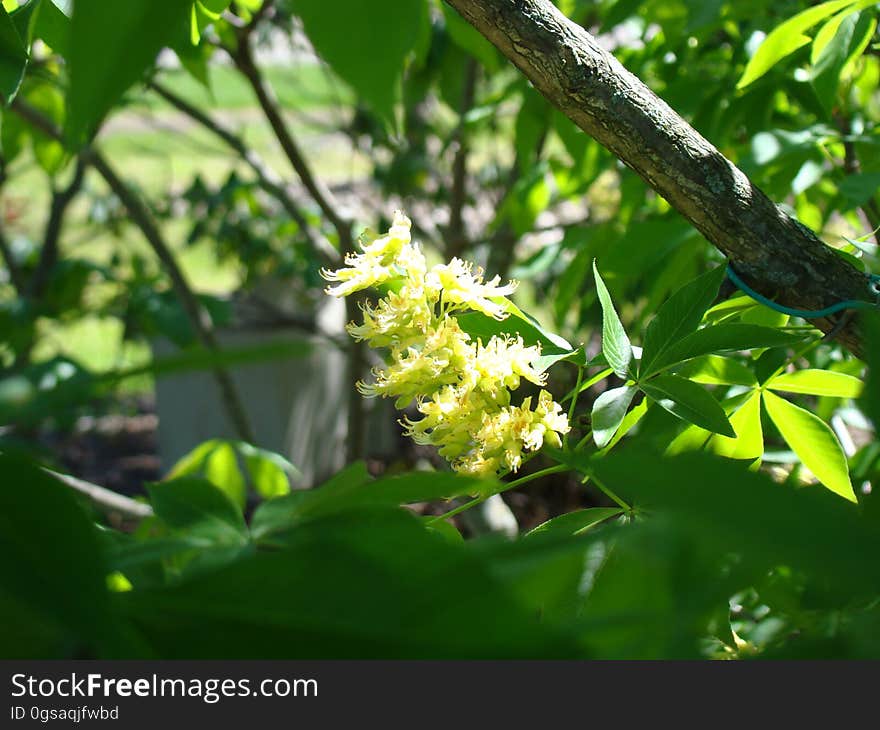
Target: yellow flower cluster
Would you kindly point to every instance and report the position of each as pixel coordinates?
(461, 387)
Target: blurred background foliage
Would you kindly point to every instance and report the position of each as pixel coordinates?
(258, 137)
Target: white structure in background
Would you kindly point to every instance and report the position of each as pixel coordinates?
(297, 406)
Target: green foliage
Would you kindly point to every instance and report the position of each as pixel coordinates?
(52, 569)
(615, 342)
(131, 34)
(723, 465)
(13, 57)
(370, 58)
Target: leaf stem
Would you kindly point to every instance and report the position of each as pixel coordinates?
(506, 487)
(611, 495)
(574, 400)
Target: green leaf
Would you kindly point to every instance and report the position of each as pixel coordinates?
(717, 370)
(688, 401)
(860, 188)
(469, 39)
(814, 443)
(199, 510)
(214, 460)
(850, 39)
(53, 25)
(615, 343)
(47, 99)
(372, 56)
(53, 597)
(280, 514)
(13, 58)
(723, 337)
(786, 38)
(24, 17)
(749, 440)
(818, 382)
(728, 509)
(680, 315)
(829, 29)
(553, 347)
(111, 47)
(353, 489)
(268, 471)
(609, 410)
(575, 523)
(366, 583)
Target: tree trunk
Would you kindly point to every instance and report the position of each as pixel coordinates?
(777, 255)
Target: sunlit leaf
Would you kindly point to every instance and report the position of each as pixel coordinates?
(813, 441)
(818, 382)
(615, 343)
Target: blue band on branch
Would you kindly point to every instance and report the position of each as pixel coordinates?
(873, 283)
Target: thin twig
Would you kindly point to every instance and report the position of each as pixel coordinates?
(265, 176)
(15, 275)
(852, 166)
(242, 56)
(61, 199)
(11, 264)
(108, 501)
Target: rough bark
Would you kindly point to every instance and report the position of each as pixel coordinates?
(777, 255)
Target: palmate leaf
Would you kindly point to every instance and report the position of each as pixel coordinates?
(680, 315)
(814, 443)
(615, 343)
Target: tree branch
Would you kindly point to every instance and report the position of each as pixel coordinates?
(243, 58)
(8, 257)
(778, 255)
(61, 199)
(265, 176)
(108, 501)
(143, 219)
(15, 276)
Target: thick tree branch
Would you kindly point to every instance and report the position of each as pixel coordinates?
(779, 256)
(140, 215)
